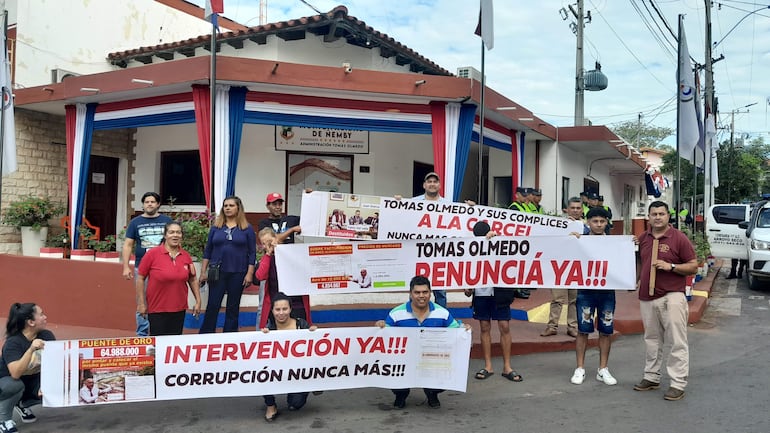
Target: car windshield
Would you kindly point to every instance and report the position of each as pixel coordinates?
(764, 218)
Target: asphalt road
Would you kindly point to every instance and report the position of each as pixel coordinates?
(729, 391)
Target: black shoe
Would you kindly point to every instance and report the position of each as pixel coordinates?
(433, 399)
(740, 276)
(400, 402)
(730, 277)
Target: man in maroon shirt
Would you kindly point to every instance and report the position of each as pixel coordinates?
(666, 258)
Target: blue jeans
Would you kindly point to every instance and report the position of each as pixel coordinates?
(600, 303)
(440, 297)
(142, 326)
(11, 391)
(232, 284)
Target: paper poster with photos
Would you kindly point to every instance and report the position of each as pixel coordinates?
(340, 215)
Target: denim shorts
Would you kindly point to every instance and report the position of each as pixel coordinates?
(599, 303)
(486, 308)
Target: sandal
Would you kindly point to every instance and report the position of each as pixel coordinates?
(513, 376)
(272, 417)
(483, 374)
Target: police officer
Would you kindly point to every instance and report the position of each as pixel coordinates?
(584, 201)
(537, 195)
(522, 200)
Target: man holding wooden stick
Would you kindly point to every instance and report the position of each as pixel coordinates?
(667, 257)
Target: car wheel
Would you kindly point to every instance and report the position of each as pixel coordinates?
(754, 283)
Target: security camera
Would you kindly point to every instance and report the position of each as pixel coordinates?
(347, 68)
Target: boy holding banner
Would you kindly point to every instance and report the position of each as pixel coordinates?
(599, 303)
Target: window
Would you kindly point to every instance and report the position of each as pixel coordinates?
(564, 192)
(729, 214)
(181, 178)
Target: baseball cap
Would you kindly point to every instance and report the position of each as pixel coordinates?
(273, 196)
(432, 174)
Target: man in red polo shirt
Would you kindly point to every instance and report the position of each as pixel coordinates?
(662, 279)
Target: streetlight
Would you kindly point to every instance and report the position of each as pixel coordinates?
(732, 145)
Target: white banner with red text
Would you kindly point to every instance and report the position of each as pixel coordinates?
(562, 262)
(238, 364)
(352, 216)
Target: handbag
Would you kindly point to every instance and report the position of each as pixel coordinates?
(213, 272)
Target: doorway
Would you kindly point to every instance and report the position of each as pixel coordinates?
(102, 193)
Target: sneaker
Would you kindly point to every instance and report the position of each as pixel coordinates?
(646, 385)
(433, 399)
(674, 394)
(400, 402)
(578, 376)
(8, 427)
(603, 375)
(24, 413)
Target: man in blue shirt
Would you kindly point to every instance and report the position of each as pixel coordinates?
(419, 312)
(145, 231)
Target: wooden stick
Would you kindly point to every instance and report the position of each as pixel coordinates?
(653, 270)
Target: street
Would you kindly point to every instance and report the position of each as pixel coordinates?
(728, 392)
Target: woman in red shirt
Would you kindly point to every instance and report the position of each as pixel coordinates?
(169, 271)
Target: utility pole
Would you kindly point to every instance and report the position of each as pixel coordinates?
(732, 147)
(579, 78)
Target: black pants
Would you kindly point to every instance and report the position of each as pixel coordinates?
(403, 393)
(166, 323)
(294, 400)
(735, 264)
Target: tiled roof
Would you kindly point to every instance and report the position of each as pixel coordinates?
(333, 25)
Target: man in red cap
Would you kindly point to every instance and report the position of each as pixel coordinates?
(277, 221)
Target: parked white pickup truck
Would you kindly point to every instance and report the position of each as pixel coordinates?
(726, 238)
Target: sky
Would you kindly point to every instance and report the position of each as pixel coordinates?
(533, 59)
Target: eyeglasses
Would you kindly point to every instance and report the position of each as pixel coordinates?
(229, 233)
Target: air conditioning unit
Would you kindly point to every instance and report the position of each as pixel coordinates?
(469, 72)
(59, 75)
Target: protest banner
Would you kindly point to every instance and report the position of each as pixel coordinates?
(564, 262)
(238, 364)
(351, 216)
(420, 219)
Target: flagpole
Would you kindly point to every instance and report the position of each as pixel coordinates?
(677, 190)
(694, 186)
(213, 106)
(481, 121)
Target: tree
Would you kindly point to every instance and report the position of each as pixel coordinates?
(743, 171)
(641, 135)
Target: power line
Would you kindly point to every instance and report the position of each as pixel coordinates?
(627, 48)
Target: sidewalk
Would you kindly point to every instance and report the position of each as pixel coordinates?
(530, 314)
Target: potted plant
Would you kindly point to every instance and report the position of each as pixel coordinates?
(31, 215)
(195, 229)
(56, 244)
(105, 249)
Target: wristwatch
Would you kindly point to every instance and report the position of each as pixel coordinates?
(673, 266)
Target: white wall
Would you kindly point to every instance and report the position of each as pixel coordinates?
(77, 35)
(310, 51)
(262, 169)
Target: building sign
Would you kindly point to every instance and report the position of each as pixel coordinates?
(301, 139)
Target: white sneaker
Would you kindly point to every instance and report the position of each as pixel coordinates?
(578, 376)
(8, 427)
(603, 375)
